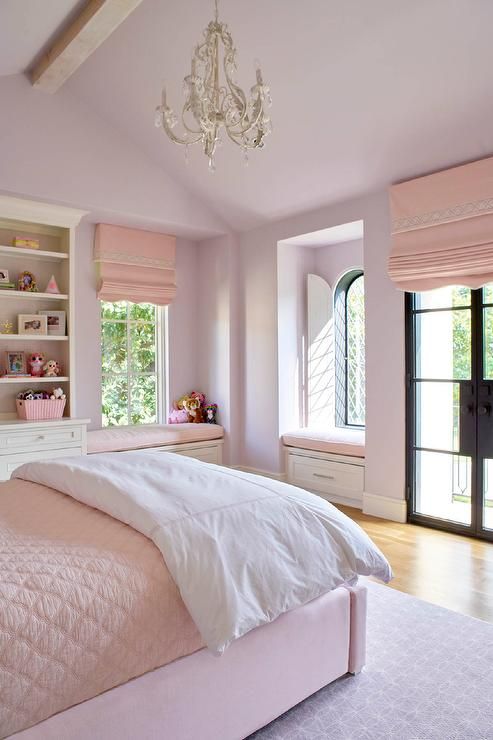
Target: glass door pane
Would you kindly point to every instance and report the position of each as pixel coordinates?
(487, 518)
(444, 426)
(485, 415)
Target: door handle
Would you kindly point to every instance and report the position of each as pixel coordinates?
(484, 409)
(467, 408)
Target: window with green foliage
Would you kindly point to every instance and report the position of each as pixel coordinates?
(130, 363)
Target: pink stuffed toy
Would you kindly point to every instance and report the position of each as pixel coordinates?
(36, 362)
(177, 415)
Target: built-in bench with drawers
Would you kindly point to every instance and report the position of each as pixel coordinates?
(330, 463)
(202, 441)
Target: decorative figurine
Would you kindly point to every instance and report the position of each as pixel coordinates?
(51, 369)
(36, 362)
(52, 286)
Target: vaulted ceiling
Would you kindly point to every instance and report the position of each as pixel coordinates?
(365, 93)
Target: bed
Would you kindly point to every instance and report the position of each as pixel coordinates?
(97, 637)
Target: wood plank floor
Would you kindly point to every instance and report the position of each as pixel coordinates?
(446, 569)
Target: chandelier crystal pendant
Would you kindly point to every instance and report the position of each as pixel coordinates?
(211, 106)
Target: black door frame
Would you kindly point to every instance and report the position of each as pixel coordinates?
(475, 431)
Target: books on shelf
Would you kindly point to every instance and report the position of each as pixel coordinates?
(25, 242)
(7, 286)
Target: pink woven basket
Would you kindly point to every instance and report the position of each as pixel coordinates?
(41, 409)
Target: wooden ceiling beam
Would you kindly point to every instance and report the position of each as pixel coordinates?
(95, 23)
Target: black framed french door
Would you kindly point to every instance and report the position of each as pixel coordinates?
(449, 347)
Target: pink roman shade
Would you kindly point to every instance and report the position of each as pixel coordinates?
(135, 265)
(442, 229)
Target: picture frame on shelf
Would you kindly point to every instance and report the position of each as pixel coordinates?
(15, 363)
(28, 323)
(27, 282)
(56, 322)
(4, 275)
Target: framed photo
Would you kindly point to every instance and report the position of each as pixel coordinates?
(15, 363)
(27, 281)
(56, 321)
(32, 323)
(4, 275)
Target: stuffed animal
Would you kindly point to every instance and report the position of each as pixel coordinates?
(36, 362)
(57, 394)
(194, 410)
(51, 369)
(177, 415)
(210, 412)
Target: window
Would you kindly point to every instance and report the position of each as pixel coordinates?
(349, 313)
(131, 362)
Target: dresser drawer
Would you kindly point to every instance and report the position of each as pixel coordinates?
(39, 439)
(8, 463)
(326, 476)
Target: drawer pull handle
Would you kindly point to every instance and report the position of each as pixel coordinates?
(320, 475)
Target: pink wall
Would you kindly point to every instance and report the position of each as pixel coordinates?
(53, 147)
(332, 261)
(218, 356)
(294, 264)
(385, 371)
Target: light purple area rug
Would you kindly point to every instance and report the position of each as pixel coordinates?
(429, 676)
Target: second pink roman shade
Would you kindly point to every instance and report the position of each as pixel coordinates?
(442, 229)
(135, 265)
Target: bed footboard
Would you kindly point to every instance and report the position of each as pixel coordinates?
(258, 678)
(357, 639)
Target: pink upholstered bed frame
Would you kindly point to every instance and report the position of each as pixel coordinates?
(259, 677)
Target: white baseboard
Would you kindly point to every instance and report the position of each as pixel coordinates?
(255, 471)
(385, 507)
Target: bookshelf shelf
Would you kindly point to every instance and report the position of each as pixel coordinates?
(26, 294)
(31, 338)
(33, 254)
(29, 381)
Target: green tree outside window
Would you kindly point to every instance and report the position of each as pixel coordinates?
(129, 348)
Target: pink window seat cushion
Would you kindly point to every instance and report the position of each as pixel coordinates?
(119, 439)
(338, 440)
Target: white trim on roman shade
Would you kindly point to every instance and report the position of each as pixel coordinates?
(442, 229)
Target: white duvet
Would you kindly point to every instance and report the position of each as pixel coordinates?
(241, 548)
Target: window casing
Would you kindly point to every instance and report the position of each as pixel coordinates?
(132, 363)
(349, 324)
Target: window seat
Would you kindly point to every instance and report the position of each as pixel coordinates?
(338, 440)
(176, 437)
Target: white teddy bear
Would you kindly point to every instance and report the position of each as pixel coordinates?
(57, 394)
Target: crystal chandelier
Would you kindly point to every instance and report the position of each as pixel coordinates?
(210, 106)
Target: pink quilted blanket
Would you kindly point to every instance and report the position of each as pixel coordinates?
(86, 603)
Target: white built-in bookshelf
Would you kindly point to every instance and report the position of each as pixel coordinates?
(54, 227)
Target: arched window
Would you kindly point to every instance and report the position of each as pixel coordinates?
(349, 314)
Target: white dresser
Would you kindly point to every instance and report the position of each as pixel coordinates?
(26, 441)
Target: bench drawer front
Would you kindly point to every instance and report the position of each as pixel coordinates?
(8, 463)
(206, 454)
(39, 439)
(326, 476)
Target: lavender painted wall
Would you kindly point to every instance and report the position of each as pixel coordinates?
(218, 345)
(293, 265)
(332, 261)
(385, 371)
